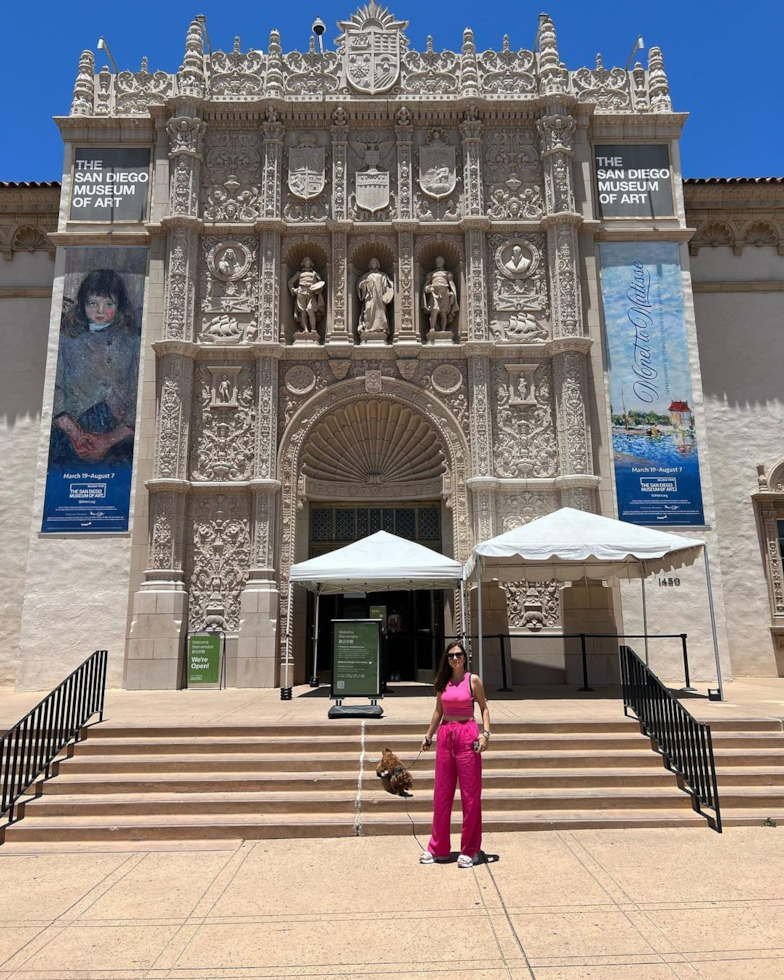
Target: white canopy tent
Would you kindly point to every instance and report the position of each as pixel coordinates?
(381, 562)
(569, 545)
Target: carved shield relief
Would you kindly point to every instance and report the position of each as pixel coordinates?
(437, 170)
(307, 171)
(372, 59)
(372, 189)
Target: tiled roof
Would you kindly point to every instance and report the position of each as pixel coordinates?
(29, 183)
(733, 180)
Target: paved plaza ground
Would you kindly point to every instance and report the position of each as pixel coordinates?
(604, 905)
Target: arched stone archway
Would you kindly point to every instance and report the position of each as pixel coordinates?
(400, 417)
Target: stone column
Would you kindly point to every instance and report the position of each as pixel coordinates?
(482, 483)
(269, 230)
(339, 329)
(257, 653)
(556, 132)
(475, 226)
(160, 608)
(406, 331)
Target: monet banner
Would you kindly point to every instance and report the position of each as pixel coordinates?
(657, 467)
(88, 480)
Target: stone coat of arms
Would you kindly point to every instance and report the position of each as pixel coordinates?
(307, 168)
(372, 189)
(373, 43)
(438, 168)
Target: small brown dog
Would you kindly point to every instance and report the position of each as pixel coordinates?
(394, 775)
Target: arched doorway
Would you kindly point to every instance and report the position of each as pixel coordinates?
(354, 460)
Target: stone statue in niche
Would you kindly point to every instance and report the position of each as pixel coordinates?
(375, 289)
(307, 288)
(439, 297)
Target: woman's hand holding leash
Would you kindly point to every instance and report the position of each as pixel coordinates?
(427, 741)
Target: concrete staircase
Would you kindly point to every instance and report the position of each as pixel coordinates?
(121, 783)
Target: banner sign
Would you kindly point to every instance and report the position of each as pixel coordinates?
(110, 184)
(88, 480)
(204, 658)
(633, 181)
(356, 658)
(657, 469)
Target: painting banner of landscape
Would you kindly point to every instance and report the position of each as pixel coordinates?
(88, 480)
(657, 467)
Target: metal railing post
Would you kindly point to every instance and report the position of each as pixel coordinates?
(502, 642)
(688, 689)
(585, 686)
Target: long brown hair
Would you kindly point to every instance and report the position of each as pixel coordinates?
(444, 672)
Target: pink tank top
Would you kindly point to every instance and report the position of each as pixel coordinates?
(456, 699)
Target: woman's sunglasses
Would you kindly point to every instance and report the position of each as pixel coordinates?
(454, 656)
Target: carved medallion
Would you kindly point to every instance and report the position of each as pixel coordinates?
(372, 189)
(300, 379)
(437, 165)
(446, 379)
(407, 368)
(340, 368)
(229, 261)
(516, 259)
(372, 45)
(307, 168)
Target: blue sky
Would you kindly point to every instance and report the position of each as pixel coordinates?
(723, 59)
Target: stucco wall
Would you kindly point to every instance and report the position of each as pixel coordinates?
(741, 343)
(24, 323)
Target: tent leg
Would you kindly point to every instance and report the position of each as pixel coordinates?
(644, 612)
(285, 691)
(314, 681)
(463, 614)
(479, 613)
(713, 625)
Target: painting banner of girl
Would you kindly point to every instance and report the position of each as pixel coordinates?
(88, 481)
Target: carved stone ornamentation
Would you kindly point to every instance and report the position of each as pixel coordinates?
(533, 605)
(375, 290)
(571, 392)
(525, 439)
(232, 175)
(513, 175)
(439, 297)
(307, 198)
(218, 558)
(167, 513)
(608, 88)
(180, 294)
(84, 94)
(518, 281)
(517, 509)
(436, 72)
(173, 416)
(437, 179)
(223, 427)
(230, 275)
(307, 287)
(236, 75)
(299, 382)
(371, 47)
(506, 72)
(562, 262)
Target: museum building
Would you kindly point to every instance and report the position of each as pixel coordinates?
(282, 300)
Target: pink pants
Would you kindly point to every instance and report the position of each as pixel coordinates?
(456, 759)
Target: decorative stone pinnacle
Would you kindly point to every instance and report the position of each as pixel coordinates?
(658, 86)
(192, 69)
(83, 94)
(468, 41)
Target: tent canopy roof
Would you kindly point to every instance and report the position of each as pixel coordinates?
(571, 544)
(381, 562)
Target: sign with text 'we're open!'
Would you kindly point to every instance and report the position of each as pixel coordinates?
(110, 184)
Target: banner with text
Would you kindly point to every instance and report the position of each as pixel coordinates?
(88, 480)
(657, 469)
(110, 184)
(633, 180)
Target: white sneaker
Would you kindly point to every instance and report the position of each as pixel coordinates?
(464, 861)
(427, 858)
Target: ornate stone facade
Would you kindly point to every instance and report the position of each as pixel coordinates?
(373, 291)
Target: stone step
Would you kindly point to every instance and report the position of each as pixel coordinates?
(332, 801)
(345, 762)
(268, 826)
(66, 783)
(400, 745)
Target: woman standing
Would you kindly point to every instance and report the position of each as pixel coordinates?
(458, 756)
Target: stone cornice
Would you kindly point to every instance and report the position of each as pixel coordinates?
(110, 235)
(629, 125)
(552, 484)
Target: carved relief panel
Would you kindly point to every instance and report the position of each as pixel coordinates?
(228, 278)
(513, 175)
(519, 308)
(306, 163)
(517, 509)
(298, 383)
(524, 434)
(533, 605)
(437, 175)
(231, 179)
(372, 172)
(222, 433)
(217, 558)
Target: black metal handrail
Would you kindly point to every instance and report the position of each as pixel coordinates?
(28, 749)
(685, 743)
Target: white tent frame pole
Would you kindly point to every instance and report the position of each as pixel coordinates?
(314, 675)
(463, 614)
(713, 624)
(644, 612)
(479, 612)
(288, 638)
